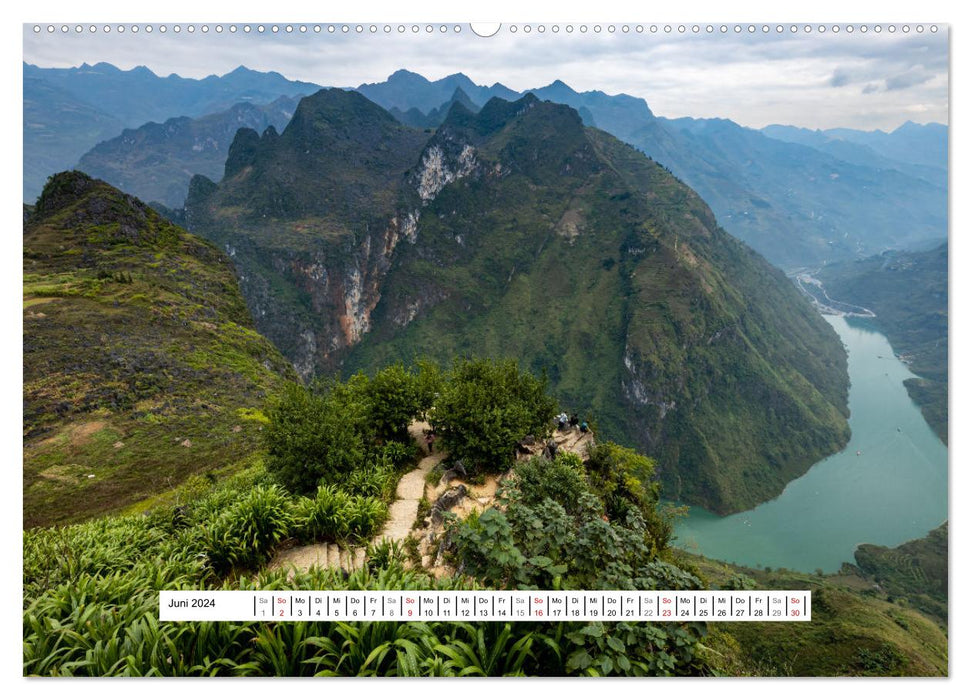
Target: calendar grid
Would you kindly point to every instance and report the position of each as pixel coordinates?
(486, 606)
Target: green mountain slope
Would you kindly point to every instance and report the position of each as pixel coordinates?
(908, 293)
(141, 364)
(562, 247)
(855, 631)
(311, 218)
(518, 232)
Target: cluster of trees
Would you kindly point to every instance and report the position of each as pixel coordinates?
(478, 409)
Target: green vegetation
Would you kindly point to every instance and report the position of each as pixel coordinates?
(314, 437)
(517, 233)
(854, 631)
(91, 605)
(485, 408)
(908, 293)
(914, 573)
(591, 263)
(90, 601)
(141, 365)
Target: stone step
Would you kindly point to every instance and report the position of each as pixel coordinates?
(332, 555)
(359, 558)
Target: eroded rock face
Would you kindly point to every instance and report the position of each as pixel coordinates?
(447, 501)
(438, 169)
(340, 289)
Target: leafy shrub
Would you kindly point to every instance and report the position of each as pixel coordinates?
(393, 402)
(314, 436)
(385, 554)
(244, 533)
(624, 480)
(487, 406)
(323, 516)
(364, 516)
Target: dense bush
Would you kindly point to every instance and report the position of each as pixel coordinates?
(486, 407)
(243, 534)
(554, 531)
(334, 514)
(314, 436)
(395, 396)
(327, 433)
(321, 517)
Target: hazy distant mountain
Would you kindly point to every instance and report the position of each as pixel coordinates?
(58, 129)
(919, 150)
(795, 204)
(800, 199)
(156, 161)
(69, 110)
(405, 90)
(418, 119)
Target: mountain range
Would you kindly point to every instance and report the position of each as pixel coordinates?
(156, 161)
(794, 203)
(797, 196)
(68, 111)
(517, 231)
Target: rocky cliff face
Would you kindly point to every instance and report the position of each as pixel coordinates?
(312, 218)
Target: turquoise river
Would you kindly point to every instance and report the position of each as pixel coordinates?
(888, 485)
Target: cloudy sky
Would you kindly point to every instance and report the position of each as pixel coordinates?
(817, 79)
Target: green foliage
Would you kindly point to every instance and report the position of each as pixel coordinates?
(344, 432)
(915, 571)
(334, 514)
(322, 517)
(243, 534)
(384, 555)
(553, 531)
(487, 406)
(313, 436)
(135, 334)
(396, 396)
(854, 632)
(364, 516)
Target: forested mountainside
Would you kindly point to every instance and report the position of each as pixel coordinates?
(517, 231)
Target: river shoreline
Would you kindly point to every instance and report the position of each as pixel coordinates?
(887, 486)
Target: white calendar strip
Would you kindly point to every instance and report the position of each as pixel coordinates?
(521, 606)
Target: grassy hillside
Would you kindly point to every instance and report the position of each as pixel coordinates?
(915, 572)
(908, 293)
(855, 630)
(141, 364)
